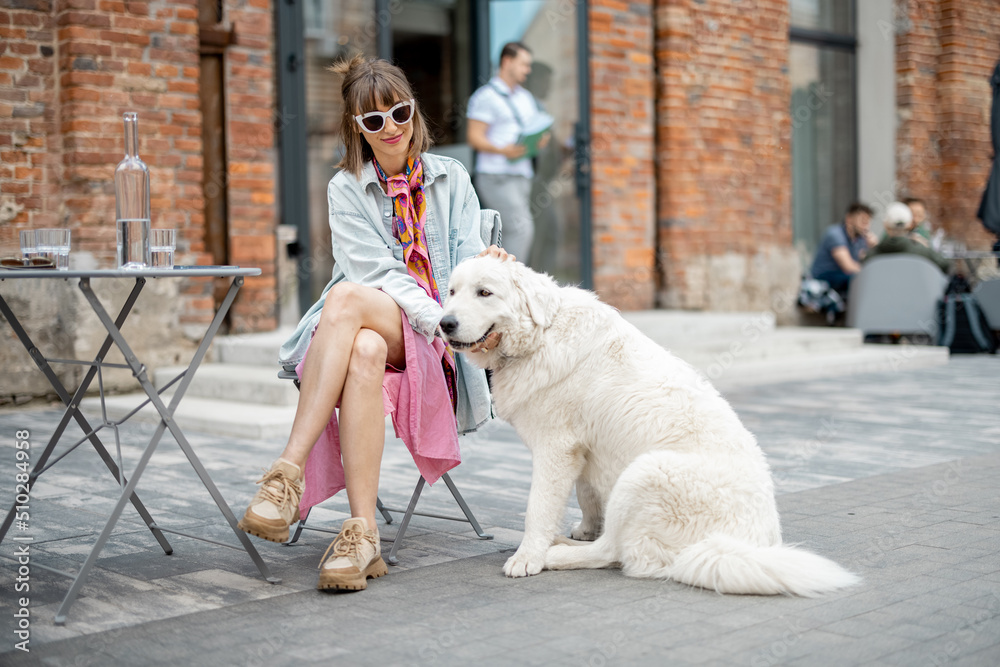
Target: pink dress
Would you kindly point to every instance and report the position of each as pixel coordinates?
(422, 414)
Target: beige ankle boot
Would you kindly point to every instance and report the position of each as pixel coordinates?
(357, 555)
(275, 507)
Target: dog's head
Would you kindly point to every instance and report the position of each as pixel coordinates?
(487, 295)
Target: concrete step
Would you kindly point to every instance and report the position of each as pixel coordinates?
(241, 396)
(678, 328)
(259, 349)
(252, 421)
(864, 359)
(778, 344)
(255, 421)
(204, 415)
(670, 328)
(234, 382)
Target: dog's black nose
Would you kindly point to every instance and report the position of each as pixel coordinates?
(449, 323)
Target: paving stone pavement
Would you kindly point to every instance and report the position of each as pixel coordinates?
(895, 475)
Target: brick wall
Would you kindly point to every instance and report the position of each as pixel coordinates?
(251, 119)
(115, 57)
(945, 54)
(723, 214)
(67, 73)
(721, 187)
(622, 127)
(30, 170)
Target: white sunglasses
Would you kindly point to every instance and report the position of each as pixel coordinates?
(374, 121)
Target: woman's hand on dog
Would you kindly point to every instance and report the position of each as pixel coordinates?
(499, 253)
(491, 342)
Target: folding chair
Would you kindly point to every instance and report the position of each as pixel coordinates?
(491, 234)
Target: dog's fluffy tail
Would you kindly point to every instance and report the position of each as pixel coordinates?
(728, 565)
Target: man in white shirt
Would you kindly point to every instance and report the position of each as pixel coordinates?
(498, 113)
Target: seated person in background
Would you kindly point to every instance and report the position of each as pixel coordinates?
(920, 229)
(898, 225)
(843, 248)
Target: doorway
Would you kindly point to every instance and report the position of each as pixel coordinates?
(447, 48)
(551, 29)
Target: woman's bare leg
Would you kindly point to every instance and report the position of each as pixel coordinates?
(360, 329)
(356, 551)
(349, 308)
(362, 423)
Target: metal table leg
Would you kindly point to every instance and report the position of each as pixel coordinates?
(167, 422)
(81, 575)
(73, 411)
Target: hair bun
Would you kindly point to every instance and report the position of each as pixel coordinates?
(344, 66)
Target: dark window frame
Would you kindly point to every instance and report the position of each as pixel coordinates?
(823, 38)
(838, 41)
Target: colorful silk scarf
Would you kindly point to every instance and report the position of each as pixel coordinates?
(409, 217)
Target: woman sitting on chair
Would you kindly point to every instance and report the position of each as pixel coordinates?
(400, 219)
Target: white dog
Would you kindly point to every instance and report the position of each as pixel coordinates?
(670, 483)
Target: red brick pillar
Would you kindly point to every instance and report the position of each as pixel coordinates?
(918, 149)
(30, 170)
(67, 73)
(142, 57)
(622, 126)
(723, 155)
(945, 54)
(969, 38)
(251, 123)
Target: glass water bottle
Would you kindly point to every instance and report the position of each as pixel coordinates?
(132, 201)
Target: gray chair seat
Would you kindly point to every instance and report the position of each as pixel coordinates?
(987, 295)
(896, 294)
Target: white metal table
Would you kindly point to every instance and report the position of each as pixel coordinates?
(166, 411)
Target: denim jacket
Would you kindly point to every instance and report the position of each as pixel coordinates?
(367, 253)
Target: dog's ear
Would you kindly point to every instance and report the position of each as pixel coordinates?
(540, 294)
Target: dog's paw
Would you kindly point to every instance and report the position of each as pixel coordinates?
(562, 539)
(524, 564)
(583, 533)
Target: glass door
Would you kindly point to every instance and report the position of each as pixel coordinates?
(431, 41)
(549, 28)
(428, 39)
(332, 31)
(822, 61)
(447, 48)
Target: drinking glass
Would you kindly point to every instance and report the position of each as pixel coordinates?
(53, 244)
(162, 243)
(28, 244)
